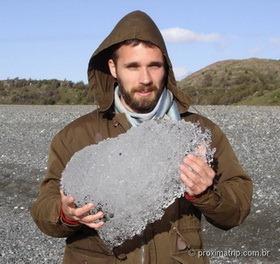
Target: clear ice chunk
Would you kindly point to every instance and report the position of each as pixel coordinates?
(132, 178)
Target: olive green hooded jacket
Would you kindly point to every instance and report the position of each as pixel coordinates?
(176, 237)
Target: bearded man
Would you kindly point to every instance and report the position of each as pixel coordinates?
(131, 78)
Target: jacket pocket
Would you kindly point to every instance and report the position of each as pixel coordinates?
(188, 245)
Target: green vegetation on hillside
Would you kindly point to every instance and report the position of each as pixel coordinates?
(251, 82)
(268, 98)
(47, 92)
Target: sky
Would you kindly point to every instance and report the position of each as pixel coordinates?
(52, 39)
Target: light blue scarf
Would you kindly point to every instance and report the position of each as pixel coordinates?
(166, 107)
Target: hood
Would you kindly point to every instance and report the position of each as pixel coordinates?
(135, 25)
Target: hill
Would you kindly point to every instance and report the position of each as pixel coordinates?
(48, 92)
(243, 82)
(250, 81)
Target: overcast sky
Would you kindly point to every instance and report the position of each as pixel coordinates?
(42, 39)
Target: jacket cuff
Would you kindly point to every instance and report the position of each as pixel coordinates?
(196, 197)
(208, 200)
(189, 197)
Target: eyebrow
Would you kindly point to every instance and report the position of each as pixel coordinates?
(156, 63)
(152, 63)
(132, 64)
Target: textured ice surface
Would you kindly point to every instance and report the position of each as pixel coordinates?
(134, 177)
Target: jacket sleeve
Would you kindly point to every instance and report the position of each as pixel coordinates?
(227, 203)
(46, 209)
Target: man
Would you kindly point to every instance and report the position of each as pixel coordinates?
(132, 80)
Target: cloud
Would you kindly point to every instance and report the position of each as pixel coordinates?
(181, 73)
(275, 41)
(181, 35)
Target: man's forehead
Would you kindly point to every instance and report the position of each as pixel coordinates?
(140, 50)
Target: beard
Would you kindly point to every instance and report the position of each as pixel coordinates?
(141, 104)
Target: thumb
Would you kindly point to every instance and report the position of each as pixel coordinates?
(66, 199)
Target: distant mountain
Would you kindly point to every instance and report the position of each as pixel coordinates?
(22, 91)
(250, 81)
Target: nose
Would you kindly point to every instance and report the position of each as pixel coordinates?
(145, 77)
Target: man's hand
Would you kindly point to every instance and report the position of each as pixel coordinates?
(196, 174)
(82, 214)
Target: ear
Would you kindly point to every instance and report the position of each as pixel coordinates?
(112, 68)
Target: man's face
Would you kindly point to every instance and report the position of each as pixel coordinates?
(141, 74)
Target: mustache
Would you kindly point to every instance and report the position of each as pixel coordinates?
(144, 89)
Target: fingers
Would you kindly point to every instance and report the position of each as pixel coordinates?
(190, 174)
(199, 166)
(188, 183)
(70, 209)
(93, 218)
(94, 225)
(193, 187)
(84, 217)
(93, 221)
(196, 174)
(81, 214)
(82, 211)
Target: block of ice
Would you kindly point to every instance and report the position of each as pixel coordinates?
(134, 177)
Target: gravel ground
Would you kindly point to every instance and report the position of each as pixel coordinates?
(26, 131)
